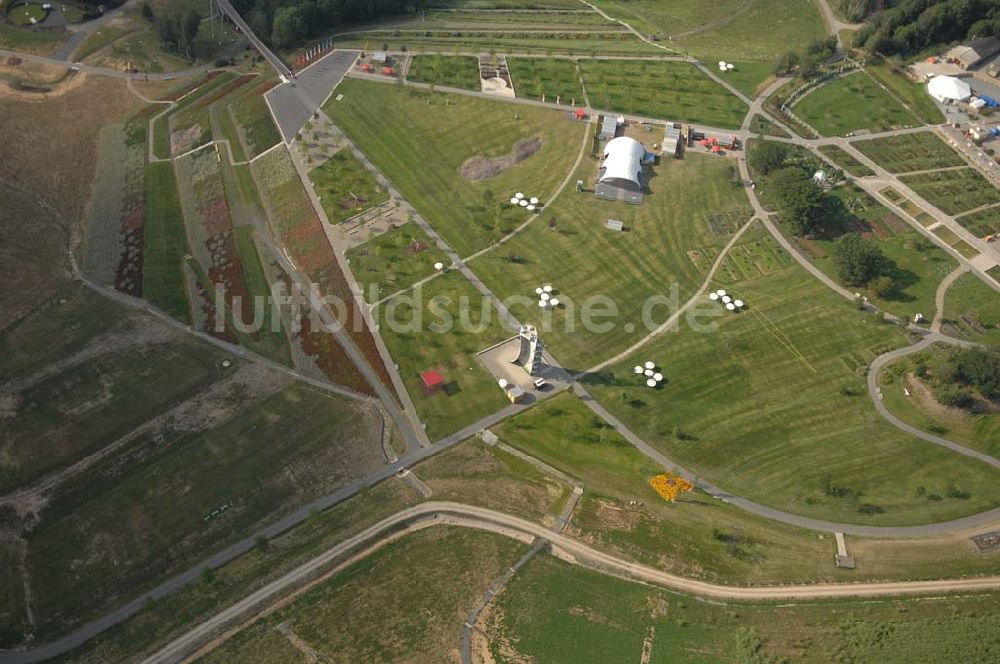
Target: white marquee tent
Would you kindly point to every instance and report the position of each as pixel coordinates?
(948, 88)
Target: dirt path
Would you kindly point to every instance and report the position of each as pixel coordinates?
(429, 514)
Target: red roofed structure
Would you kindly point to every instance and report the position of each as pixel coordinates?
(432, 381)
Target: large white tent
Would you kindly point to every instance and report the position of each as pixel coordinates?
(948, 88)
(622, 165)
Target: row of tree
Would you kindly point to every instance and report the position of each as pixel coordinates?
(910, 26)
(177, 29)
(285, 23)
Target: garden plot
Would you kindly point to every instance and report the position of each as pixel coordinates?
(295, 223)
(846, 161)
(754, 258)
(954, 191)
(668, 90)
(548, 78)
(345, 187)
(394, 260)
(113, 246)
(919, 151)
(187, 124)
(982, 223)
(454, 71)
(210, 229)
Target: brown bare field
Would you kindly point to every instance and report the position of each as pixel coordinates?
(50, 143)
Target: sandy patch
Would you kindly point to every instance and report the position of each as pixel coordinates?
(484, 168)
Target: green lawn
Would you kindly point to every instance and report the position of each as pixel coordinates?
(345, 187)
(553, 78)
(667, 90)
(377, 609)
(455, 71)
(555, 612)
(425, 330)
(909, 152)
(953, 192)
(30, 41)
(844, 160)
(773, 406)
(914, 94)
(135, 521)
(728, 29)
(749, 76)
(972, 310)
(692, 205)
(420, 140)
(851, 103)
(394, 260)
(980, 431)
(165, 244)
(982, 223)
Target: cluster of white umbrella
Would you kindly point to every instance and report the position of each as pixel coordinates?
(721, 296)
(726, 66)
(529, 204)
(546, 299)
(653, 377)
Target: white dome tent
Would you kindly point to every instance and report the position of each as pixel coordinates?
(948, 89)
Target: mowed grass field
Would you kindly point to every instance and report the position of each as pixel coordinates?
(773, 406)
(406, 601)
(165, 244)
(954, 191)
(442, 326)
(698, 536)
(918, 151)
(553, 78)
(729, 29)
(555, 612)
(394, 260)
(136, 520)
(584, 260)
(666, 90)
(420, 140)
(973, 309)
(454, 71)
(345, 187)
(851, 103)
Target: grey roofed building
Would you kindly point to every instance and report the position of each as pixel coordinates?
(971, 54)
(609, 128)
(671, 140)
(381, 57)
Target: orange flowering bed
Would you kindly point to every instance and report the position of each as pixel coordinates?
(669, 486)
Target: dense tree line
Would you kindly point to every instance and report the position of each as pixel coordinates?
(910, 26)
(285, 23)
